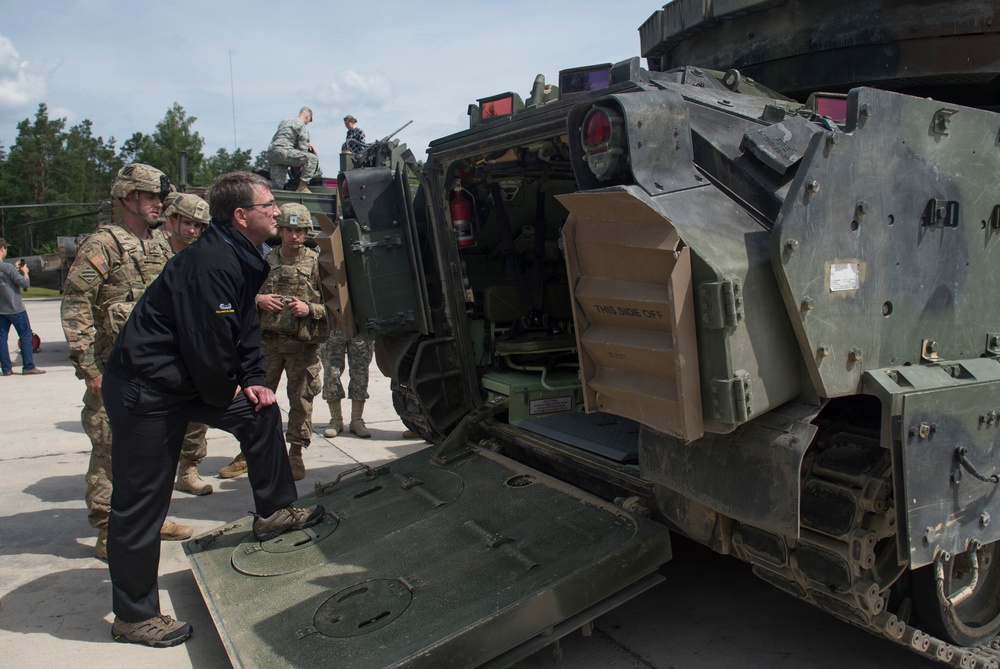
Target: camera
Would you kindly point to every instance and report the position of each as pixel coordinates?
(20, 263)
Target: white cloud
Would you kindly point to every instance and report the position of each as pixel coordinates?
(21, 85)
(351, 90)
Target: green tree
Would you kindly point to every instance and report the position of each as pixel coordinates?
(3, 191)
(132, 147)
(173, 136)
(30, 170)
(50, 165)
(223, 162)
(261, 162)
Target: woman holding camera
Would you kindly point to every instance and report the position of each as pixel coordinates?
(12, 313)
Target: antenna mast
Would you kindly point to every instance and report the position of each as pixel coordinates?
(232, 93)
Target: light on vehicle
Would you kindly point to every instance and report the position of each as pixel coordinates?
(596, 129)
(603, 139)
(583, 80)
(497, 107)
(831, 105)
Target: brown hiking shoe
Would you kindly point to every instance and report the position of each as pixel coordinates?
(159, 631)
(283, 520)
(171, 531)
(235, 468)
(33, 370)
(188, 480)
(101, 547)
(410, 434)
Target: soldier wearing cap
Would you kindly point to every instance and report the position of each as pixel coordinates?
(185, 216)
(294, 324)
(113, 267)
(290, 147)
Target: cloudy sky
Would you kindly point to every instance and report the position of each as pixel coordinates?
(123, 64)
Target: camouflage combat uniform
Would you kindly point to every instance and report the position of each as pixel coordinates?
(290, 148)
(359, 356)
(111, 271)
(285, 344)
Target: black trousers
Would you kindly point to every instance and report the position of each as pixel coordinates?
(147, 428)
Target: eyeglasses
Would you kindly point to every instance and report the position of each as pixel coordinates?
(264, 205)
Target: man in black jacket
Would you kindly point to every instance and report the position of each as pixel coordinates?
(191, 352)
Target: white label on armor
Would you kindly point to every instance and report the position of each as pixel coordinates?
(843, 276)
(550, 405)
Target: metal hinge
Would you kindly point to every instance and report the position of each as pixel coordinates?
(721, 304)
(389, 240)
(940, 213)
(731, 401)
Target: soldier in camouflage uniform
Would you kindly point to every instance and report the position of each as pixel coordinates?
(185, 218)
(290, 147)
(359, 356)
(112, 269)
(293, 323)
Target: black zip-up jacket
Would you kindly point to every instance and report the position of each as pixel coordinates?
(196, 330)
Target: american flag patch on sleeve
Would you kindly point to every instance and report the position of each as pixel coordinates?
(100, 264)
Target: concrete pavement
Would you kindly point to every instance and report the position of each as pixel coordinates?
(55, 597)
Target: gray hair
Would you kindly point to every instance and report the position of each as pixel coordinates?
(306, 110)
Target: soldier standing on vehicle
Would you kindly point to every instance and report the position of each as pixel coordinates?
(290, 147)
(112, 269)
(294, 323)
(359, 353)
(186, 217)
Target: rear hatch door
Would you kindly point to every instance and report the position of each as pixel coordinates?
(426, 562)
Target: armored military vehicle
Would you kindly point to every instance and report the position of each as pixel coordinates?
(741, 295)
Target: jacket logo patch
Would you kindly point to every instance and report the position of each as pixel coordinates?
(100, 264)
(225, 308)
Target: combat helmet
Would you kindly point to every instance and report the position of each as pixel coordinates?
(295, 215)
(187, 205)
(139, 177)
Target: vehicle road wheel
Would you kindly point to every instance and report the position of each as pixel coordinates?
(977, 617)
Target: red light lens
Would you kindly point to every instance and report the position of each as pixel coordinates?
(500, 107)
(835, 108)
(596, 128)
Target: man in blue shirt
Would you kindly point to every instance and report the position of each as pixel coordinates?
(12, 313)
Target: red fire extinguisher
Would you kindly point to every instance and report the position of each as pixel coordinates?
(461, 215)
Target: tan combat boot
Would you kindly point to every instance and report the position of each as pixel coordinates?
(235, 468)
(295, 460)
(357, 422)
(101, 549)
(302, 188)
(336, 420)
(171, 531)
(188, 480)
